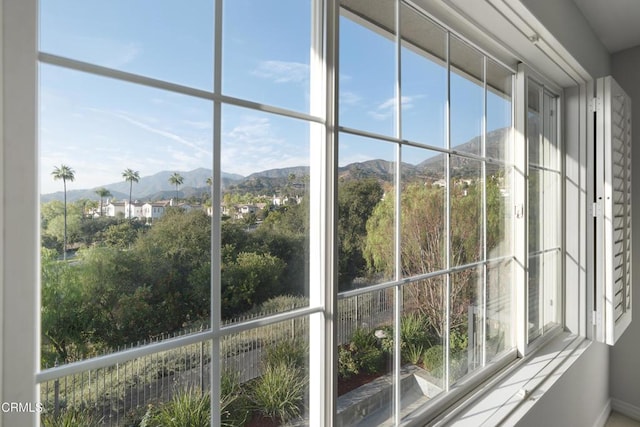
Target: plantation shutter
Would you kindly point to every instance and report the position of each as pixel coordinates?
(613, 210)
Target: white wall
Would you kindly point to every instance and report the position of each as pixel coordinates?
(565, 21)
(625, 356)
(578, 398)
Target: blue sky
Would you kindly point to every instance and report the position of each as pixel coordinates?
(101, 126)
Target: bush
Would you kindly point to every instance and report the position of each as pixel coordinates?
(413, 329)
(433, 359)
(234, 409)
(413, 353)
(291, 352)
(189, 408)
(71, 418)
(280, 304)
(279, 392)
(362, 354)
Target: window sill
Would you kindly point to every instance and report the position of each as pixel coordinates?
(508, 397)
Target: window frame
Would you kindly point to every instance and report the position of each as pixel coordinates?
(25, 309)
(525, 74)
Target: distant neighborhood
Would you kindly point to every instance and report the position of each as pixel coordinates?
(151, 211)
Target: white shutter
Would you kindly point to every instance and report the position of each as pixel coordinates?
(613, 210)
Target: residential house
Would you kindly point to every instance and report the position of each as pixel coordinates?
(154, 210)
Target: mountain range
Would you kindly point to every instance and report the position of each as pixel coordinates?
(157, 186)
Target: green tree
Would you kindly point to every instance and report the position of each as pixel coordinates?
(102, 193)
(65, 322)
(356, 201)
(423, 237)
(122, 235)
(64, 173)
(252, 278)
(130, 176)
(176, 180)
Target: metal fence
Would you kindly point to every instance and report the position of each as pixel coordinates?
(120, 395)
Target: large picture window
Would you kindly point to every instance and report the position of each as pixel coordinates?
(247, 216)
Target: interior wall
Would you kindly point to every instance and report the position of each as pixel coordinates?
(567, 24)
(625, 364)
(578, 398)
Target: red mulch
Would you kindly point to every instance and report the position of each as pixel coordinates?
(345, 385)
(261, 421)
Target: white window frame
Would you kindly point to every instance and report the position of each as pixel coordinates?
(526, 345)
(20, 242)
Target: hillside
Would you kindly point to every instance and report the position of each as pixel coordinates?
(294, 179)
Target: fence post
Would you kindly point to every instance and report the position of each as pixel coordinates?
(201, 363)
(56, 394)
(56, 399)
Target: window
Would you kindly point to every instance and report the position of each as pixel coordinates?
(192, 245)
(544, 218)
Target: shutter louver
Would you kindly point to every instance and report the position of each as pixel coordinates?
(613, 240)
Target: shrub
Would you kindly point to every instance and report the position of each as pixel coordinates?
(413, 353)
(433, 359)
(279, 392)
(413, 329)
(362, 354)
(234, 409)
(71, 418)
(291, 352)
(189, 408)
(280, 304)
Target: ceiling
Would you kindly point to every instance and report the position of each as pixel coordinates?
(615, 22)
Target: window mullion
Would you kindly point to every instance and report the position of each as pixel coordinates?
(520, 202)
(216, 217)
(484, 214)
(447, 218)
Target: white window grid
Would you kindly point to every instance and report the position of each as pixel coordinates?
(324, 125)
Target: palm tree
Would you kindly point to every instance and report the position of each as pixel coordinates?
(177, 180)
(65, 173)
(102, 192)
(131, 176)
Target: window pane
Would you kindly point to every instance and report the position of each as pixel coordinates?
(534, 123)
(424, 79)
(165, 40)
(467, 316)
(265, 375)
(499, 191)
(544, 211)
(265, 54)
(138, 242)
(137, 389)
(423, 211)
(499, 112)
(467, 97)
(366, 211)
(422, 332)
(367, 75)
(467, 217)
(499, 316)
(265, 213)
(365, 358)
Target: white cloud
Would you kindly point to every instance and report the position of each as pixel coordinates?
(164, 133)
(108, 52)
(349, 98)
(387, 108)
(282, 71)
(253, 145)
